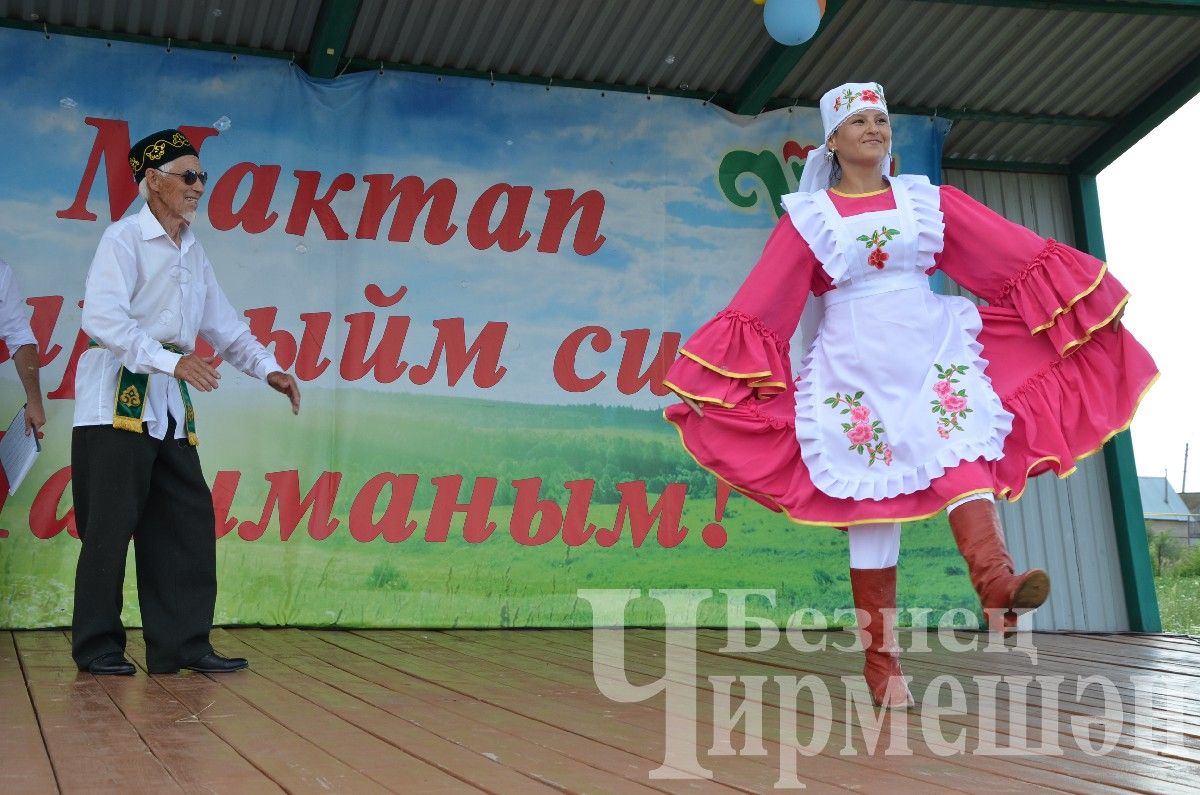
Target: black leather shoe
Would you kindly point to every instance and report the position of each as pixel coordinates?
(111, 664)
(213, 663)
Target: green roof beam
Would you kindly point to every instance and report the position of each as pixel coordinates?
(156, 41)
(769, 73)
(1176, 8)
(1004, 165)
(364, 65)
(327, 46)
(1144, 117)
(990, 116)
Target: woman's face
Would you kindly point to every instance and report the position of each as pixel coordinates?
(864, 138)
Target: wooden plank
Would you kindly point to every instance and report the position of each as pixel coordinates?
(1169, 711)
(921, 762)
(450, 712)
(1123, 759)
(197, 758)
(292, 762)
(1057, 771)
(481, 754)
(558, 708)
(91, 744)
(636, 726)
(1174, 700)
(1171, 642)
(1181, 661)
(400, 718)
(923, 667)
(1175, 697)
(360, 750)
(833, 666)
(1172, 664)
(442, 700)
(26, 767)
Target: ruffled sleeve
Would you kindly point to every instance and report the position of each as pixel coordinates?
(743, 352)
(1056, 290)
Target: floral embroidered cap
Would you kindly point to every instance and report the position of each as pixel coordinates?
(842, 102)
(837, 105)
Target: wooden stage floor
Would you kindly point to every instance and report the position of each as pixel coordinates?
(521, 712)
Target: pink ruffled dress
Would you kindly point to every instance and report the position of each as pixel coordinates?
(906, 400)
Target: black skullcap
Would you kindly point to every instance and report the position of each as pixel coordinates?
(157, 150)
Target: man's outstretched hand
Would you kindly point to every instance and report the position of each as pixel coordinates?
(198, 371)
(286, 385)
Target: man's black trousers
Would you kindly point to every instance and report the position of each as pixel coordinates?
(130, 485)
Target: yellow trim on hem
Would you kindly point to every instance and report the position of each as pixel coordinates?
(860, 195)
(1073, 344)
(809, 522)
(1002, 494)
(127, 424)
(718, 370)
(1062, 310)
(698, 398)
(760, 384)
(1137, 404)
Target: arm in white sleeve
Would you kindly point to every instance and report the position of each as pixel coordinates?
(14, 327)
(229, 335)
(106, 312)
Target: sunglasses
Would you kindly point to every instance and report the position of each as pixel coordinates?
(189, 177)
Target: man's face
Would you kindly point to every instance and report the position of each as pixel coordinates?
(179, 198)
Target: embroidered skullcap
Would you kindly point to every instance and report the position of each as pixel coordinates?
(157, 150)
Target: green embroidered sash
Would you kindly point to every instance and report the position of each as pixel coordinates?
(130, 399)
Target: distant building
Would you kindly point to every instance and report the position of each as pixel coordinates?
(1166, 511)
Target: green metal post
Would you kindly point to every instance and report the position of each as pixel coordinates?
(1129, 522)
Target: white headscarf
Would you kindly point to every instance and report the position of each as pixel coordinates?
(837, 105)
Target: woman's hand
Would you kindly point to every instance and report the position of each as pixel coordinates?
(693, 405)
(1116, 323)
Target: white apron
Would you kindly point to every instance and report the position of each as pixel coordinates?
(892, 391)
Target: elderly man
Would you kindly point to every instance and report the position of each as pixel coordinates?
(136, 473)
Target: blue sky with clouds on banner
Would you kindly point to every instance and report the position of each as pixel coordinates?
(676, 249)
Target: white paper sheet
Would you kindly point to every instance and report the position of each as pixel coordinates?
(18, 451)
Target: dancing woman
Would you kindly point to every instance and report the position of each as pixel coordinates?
(907, 402)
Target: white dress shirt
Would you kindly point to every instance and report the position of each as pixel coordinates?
(143, 291)
(14, 326)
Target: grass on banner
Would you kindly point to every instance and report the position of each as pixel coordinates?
(340, 581)
(416, 583)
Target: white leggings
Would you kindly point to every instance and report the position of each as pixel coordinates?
(877, 546)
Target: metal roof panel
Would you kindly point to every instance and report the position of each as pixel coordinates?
(989, 57)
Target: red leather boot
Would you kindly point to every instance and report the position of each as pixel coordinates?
(980, 539)
(875, 596)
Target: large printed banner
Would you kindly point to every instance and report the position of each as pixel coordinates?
(479, 287)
